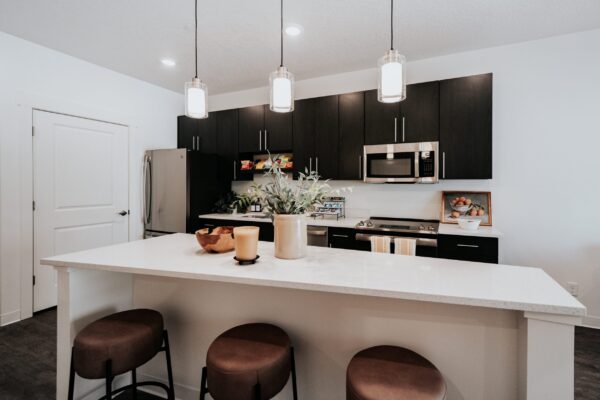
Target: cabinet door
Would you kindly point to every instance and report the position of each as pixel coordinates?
(304, 135)
(251, 129)
(278, 131)
(466, 127)
(206, 140)
(468, 248)
(227, 143)
(326, 137)
(420, 113)
(342, 238)
(187, 131)
(381, 120)
(351, 136)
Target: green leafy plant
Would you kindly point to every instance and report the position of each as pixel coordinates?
(284, 196)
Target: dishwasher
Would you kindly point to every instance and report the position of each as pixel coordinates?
(317, 235)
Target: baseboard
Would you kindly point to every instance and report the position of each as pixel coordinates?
(10, 318)
(182, 392)
(591, 321)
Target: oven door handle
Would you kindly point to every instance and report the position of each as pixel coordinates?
(363, 237)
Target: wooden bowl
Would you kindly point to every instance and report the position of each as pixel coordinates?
(217, 240)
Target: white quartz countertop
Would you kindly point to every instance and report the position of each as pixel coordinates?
(339, 271)
(482, 231)
(341, 223)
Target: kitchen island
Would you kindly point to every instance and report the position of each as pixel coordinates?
(494, 331)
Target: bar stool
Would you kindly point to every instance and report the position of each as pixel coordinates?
(393, 373)
(120, 343)
(249, 362)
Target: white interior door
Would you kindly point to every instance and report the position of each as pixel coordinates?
(81, 185)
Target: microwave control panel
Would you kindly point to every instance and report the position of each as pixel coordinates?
(427, 164)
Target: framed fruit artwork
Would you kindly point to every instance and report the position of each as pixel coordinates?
(472, 205)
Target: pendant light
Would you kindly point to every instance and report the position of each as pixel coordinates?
(196, 93)
(281, 82)
(392, 72)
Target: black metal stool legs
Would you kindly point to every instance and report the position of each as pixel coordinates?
(203, 388)
(133, 384)
(109, 379)
(169, 367)
(257, 391)
(71, 378)
(294, 384)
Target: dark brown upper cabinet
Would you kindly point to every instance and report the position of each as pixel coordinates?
(304, 135)
(326, 137)
(197, 134)
(351, 135)
(316, 136)
(251, 129)
(420, 114)
(381, 120)
(261, 129)
(278, 131)
(466, 127)
(227, 144)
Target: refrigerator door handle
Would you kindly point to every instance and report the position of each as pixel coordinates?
(147, 190)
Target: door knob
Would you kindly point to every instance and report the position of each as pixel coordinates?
(123, 213)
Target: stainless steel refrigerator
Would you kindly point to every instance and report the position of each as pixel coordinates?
(178, 186)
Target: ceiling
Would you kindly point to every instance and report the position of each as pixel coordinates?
(239, 42)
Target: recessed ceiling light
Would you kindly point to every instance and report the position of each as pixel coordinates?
(293, 30)
(168, 62)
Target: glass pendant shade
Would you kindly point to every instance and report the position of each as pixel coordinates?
(196, 104)
(392, 77)
(281, 89)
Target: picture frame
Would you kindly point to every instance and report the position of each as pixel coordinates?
(466, 204)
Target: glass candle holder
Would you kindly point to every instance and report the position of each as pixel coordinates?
(246, 242)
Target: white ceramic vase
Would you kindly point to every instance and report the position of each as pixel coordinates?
(290, 236)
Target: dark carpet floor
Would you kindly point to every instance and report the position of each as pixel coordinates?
(28, 361)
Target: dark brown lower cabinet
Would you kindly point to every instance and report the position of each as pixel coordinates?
(468, 248)
(342, 238)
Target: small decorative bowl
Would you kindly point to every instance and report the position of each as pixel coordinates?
(217, 240)
(469, 224)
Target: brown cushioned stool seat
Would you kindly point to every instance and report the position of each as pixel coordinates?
(129, 339)
(393, 373)
(248, 362)
(120, 343)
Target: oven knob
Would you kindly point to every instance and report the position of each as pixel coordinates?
(369, 224)
(421, 228)
(361, 223)
(430, 228)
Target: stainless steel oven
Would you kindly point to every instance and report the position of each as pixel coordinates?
(401, 163)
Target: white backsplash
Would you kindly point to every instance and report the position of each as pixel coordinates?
(391, 200)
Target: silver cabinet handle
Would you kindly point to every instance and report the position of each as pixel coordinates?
(235, 170)
(359, 167)
(317, 165)
(147, 190)
(260, 139)
(341, 236)
(403, 130)
(443, 165)
(266, 146)
(474, 246)
(310, 164)
(209, 225)
(395, 130)
(193, 142)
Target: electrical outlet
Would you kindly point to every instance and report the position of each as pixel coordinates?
(573, 288)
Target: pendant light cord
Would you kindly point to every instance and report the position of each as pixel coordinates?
(196, 35)
(281, 32)
(392, 24)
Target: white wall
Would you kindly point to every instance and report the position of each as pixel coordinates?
(34, 74)
(546, 182)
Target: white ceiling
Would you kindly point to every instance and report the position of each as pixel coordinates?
(239, 42)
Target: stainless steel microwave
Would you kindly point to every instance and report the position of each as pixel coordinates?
(401, 163)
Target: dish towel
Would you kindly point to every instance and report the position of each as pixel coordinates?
(405, 247)
(380, 244)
